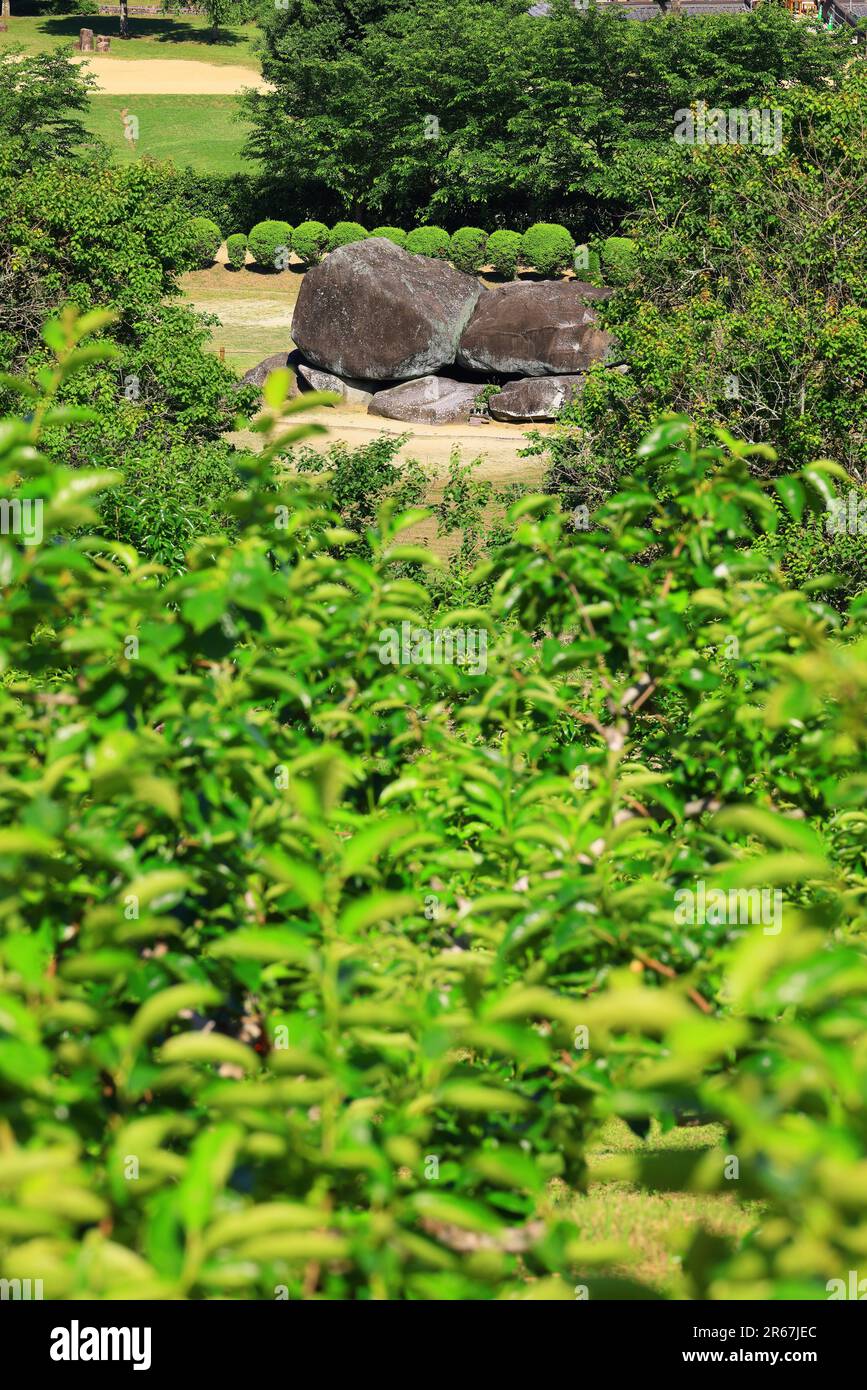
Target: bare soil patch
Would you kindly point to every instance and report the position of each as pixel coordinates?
(175, 76)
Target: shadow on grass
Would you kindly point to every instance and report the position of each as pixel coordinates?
(163, 30)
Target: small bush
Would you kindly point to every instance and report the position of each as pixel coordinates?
(548, 248)
(503, 252)
(429, 241)
(618, 258)
(270, 243)
(344, 233)
(391, 234)
(310, 242)
(467, 250)
(236, 250)
(205, 239)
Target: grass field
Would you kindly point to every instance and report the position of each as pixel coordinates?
(254, 308)
(656, 1227)
(202, 131)
(160, 37)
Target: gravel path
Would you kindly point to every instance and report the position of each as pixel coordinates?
(173, 76)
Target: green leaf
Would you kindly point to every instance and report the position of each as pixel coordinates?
(792, 495)
(208, 1169)
(443, 1208)
(482, 1099)
(366, 846)
(166, 1005)
(300, 877)
(209, 1047)
(664, 437)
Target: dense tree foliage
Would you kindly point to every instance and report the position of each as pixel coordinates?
(87, 233)
(478, 112)
(43, 98)
(745, 303)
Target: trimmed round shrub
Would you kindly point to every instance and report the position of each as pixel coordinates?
(548, 248)
(344, 233)
(504, 252)
(391, 234)
(310, 242)
(467, 250)
(429, 241)
(270, 243)
(205, 239)
(618, 258)
(236, 250)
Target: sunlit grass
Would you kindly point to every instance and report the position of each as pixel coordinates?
(202, 131)
(160, 37)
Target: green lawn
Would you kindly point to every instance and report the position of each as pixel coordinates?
(160, 37)
(654, 1229)
(202, 131)
(254, 308)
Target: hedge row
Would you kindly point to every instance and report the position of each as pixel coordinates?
(546, 247)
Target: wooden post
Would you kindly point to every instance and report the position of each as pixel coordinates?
(222, 354)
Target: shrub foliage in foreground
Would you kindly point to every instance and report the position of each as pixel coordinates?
(298, 947)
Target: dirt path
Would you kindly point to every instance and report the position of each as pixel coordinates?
(173, 76)
(497, 445)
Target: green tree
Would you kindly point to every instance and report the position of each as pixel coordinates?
(477, 112)
(42, 97)
(745, 302)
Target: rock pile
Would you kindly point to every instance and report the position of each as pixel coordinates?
(409, 338)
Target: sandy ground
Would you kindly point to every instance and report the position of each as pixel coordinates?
(496, 444)
(172, 76)
(254, 309)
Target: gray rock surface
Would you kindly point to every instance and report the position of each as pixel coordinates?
(536, 328)
(353, 393)
(375, 312)
(430, 400)
(534, 397)
(256, 375)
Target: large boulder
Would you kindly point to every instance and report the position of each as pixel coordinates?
(431, 400)
(352, 392)
(256, 375)
(534, 397)
(373, 311)
(536, 328)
